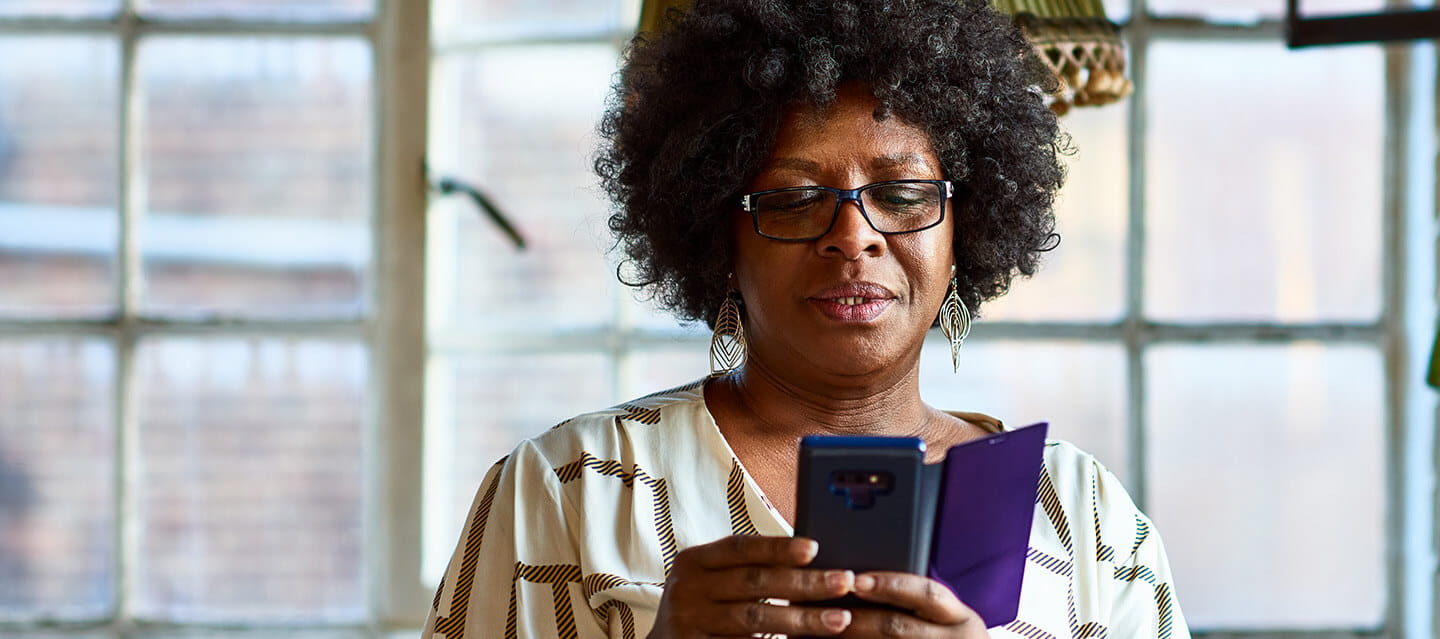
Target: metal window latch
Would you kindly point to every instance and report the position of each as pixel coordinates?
(445, 185)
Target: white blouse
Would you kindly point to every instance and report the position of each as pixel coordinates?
(573, 534)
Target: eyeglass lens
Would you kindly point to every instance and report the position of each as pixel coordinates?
(807, 213)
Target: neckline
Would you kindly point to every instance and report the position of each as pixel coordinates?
(984, 422)
(713, 432)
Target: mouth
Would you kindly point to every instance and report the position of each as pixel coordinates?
(853, 302)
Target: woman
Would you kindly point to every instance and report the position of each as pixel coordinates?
(828, 175)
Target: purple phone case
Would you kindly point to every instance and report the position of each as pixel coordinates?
(982, 524)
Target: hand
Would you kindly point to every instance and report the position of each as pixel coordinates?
(717, 590)
(935, 611)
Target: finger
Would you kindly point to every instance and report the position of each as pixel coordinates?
(754, 550)
(870, 623)
(752, 618)
(930, 600)
(748, 583)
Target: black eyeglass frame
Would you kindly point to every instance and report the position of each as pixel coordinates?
(747, 204)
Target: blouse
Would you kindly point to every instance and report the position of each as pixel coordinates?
(573, 534)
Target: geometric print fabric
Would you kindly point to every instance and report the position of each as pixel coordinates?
(573, 534)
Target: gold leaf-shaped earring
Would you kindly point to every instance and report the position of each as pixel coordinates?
(954, 321)
(727, 342)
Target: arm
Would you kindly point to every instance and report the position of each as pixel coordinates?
(513, 568)
(1142, 591)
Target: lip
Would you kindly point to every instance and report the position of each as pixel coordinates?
(853, 301)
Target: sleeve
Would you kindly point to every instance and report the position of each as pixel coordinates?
(516, 570)
(1142, 600)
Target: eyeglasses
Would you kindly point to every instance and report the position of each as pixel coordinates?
(804, 213)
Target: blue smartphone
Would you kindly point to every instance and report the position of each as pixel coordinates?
(864, 500)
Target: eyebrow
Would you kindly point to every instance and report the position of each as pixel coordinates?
(895, 160)
(796, 164)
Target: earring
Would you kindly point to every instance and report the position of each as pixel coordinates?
(954, 320)
(727, 343)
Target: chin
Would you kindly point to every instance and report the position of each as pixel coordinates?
(852, 360)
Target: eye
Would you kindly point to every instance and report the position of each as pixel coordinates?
(904, 198)
(797, 201)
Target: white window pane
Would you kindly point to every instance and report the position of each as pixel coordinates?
(1117, 10)
(479, 408)
(59, 221)
(656, 369)
(641, 312)
(58, 8)
(1266, 477)
(454, 19)
(297, 10)
(1079, 387)
(1082, 279)
(258, 152)
(1243, 11)
(1264, 197)
(250, 486)
(57, 488)
(518, 122)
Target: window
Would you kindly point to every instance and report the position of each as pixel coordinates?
(540, 334)
(187, 272)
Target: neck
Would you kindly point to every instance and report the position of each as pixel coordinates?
(781, 408)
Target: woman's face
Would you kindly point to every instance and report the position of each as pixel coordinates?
(854, 301)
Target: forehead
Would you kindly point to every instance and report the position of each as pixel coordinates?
(855, 124)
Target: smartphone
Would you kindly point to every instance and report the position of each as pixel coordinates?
(864, 499)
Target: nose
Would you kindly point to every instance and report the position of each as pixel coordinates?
(851, 236)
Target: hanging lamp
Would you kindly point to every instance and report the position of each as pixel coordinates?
(1073, 38)
(1079, 45)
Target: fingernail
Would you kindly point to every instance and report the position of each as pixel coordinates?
(810, 549)
(864, 583)
(835, 620)
(839, 580)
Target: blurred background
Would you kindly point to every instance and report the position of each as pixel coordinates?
(251, 376)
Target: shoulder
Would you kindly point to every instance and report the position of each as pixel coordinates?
(1066, 461)
(1117, 553)
(985, 422)
(1079, 489)
(1078, 478)
(606, 433)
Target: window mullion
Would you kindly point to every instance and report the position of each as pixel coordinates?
(1134, 319)
(131, 203)
(394, 454)
(1392, 307)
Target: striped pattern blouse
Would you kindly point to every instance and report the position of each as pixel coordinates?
(573, 534)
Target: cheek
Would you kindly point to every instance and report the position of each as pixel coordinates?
(933, 255)
(944, 251)
(934, 263)
(754, 263)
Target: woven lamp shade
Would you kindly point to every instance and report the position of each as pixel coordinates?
(1074, 39)
(1082, 48)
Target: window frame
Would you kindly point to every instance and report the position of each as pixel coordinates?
(396, 32)
(1401, 333)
